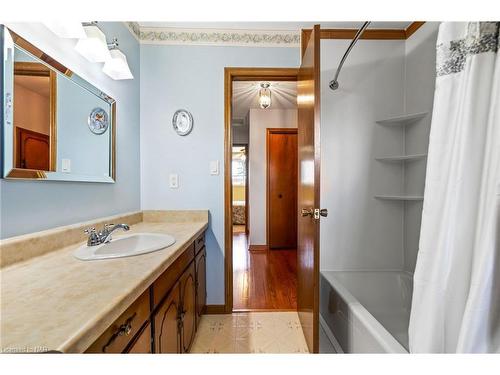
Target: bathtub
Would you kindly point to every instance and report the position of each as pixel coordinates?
(366, 311)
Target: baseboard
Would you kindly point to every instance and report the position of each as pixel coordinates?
(215, 309)
(257, 248)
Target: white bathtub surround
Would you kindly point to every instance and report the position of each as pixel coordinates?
(367, 311)
(380, 80)
(456, 300)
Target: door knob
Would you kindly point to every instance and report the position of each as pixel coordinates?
(317, 213)
(307, 212)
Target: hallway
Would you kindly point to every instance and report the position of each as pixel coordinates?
(263, 280)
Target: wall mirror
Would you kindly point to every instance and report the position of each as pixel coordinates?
(56, 125)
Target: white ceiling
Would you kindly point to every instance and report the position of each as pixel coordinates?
(290, 26)
(246, 96)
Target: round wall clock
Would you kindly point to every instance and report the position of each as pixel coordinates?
(182, 122)
(98, 121)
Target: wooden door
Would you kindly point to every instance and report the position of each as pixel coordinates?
(201, 284)
(188, 310)
(32, 150)
(167, 324)
(282, 188)
(308, 101)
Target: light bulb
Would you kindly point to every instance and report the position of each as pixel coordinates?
(117, 67)
(93, 47)
(265, 96)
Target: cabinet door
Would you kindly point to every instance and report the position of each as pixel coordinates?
(201, 283)
(188, 303)
(167, 332)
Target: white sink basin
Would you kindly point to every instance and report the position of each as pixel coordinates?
(126, 246)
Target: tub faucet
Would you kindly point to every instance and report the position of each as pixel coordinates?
(104, 236)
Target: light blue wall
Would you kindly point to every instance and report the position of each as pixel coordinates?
(192, 77)
(28, 206)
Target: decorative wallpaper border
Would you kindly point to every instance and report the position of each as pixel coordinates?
(213, 37)
(134, 28)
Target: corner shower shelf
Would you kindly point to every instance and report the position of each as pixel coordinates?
(401, 158)
(402, 120)
(400, 197)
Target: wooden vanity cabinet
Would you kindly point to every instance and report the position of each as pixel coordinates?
(164, 318)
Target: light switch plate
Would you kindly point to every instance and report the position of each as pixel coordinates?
(173, 180)
(66, 165)
(214, 167)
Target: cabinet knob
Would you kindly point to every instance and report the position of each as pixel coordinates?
(124, 330)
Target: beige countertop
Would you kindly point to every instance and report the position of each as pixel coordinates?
(57, 302)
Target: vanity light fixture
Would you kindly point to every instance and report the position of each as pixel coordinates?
(265, 95)
(93, 46)
(66, 29)
(116, 66)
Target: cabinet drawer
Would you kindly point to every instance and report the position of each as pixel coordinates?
(116, 338)
(199, 243)
(166, 281)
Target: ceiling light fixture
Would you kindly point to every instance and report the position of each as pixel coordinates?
(265, 95)
(66, 29)
(116, 66)
(93, 46)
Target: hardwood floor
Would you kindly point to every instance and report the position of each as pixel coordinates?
(238, 229)
(263, 280)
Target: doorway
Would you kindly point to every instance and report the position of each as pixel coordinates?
(35, 97)
(265, 275)
(308, 84)
(307, 78)
(260, 275)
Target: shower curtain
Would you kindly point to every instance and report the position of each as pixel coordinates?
(456, 296)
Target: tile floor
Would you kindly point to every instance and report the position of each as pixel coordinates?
(254, 332)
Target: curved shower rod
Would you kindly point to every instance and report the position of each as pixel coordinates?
(334, 83)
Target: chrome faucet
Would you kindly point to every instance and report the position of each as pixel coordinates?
(104, 236)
